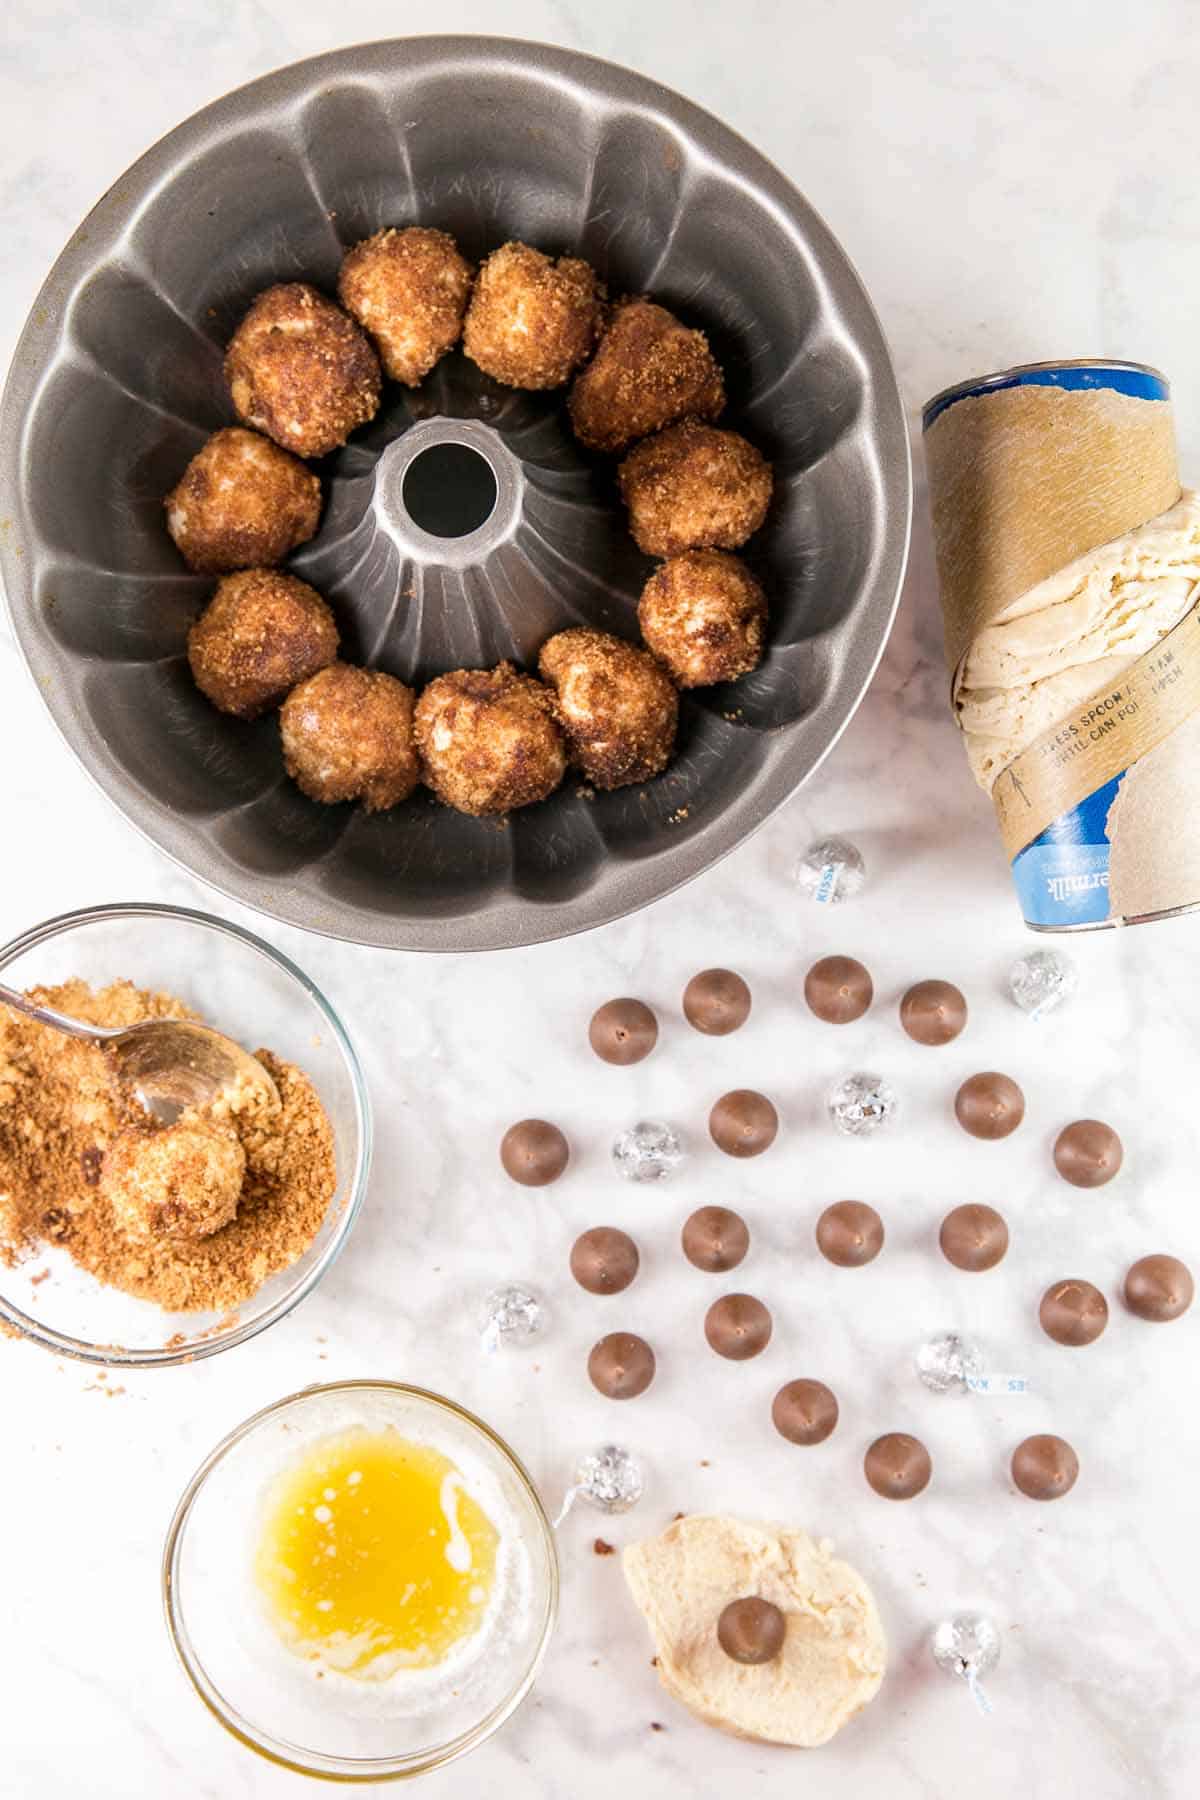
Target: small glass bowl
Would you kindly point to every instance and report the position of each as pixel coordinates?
(252, 993)
(272, 1700)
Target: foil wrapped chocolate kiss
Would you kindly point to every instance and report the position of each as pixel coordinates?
(610, 1479)
(967, 1646)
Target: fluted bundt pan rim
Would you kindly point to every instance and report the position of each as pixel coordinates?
(847, 646)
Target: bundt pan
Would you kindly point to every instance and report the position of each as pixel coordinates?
(117, 380)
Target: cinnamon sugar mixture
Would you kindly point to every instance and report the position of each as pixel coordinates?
(194, 1216)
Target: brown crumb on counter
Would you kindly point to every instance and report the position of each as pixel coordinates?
(603, 1548)
(655, 1725)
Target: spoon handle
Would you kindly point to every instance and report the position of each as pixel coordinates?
(46, 1016)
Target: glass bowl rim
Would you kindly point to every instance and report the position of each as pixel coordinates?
(118, 1356)
(334, 1768)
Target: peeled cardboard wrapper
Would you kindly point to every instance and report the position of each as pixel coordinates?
(1023, 481)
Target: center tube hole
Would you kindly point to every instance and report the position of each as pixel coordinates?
(449, 490)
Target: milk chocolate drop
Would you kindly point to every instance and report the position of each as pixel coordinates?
(751, 1630)
(1073, 1312)
(973, 1237)
(716, 1002)
(1088, 1153)
(804, 1412)
(850, 1234)
(604, 1260)
(738, 1327)
(933, 1012)
(838, 989)
(1159, 1288)
(621, 1365)
(534, 1152)
(898, 1466)
(989, 1105)
(623, 1032)
(743, 1123)
(715, 1239)
(1045, 1467)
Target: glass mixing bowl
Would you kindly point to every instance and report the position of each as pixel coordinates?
(273, 1700)
(252, 993)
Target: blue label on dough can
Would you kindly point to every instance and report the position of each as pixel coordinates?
(1062, 876)
(1137, 379)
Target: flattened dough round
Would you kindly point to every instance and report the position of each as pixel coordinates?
(833, 1655)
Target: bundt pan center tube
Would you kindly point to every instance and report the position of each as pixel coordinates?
(464, 525)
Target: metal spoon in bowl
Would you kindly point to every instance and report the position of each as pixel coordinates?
(167, 1064)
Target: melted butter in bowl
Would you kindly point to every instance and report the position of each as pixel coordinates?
(373, 1555)
(360, 1581)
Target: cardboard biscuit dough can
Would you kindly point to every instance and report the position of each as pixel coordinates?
(1069, 566)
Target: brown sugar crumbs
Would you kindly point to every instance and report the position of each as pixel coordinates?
(194, 1221)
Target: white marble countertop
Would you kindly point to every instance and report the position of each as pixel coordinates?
(1012, 182)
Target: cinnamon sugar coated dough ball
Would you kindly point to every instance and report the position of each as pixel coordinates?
(302, 371)
(488, 740)
(179, 1181)
(704, 615)
(617, 708)
(648, 371)
(241, 503)
(348, 735)
(694, 488)
(409, 289)
(260, 634)
(532, 321)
